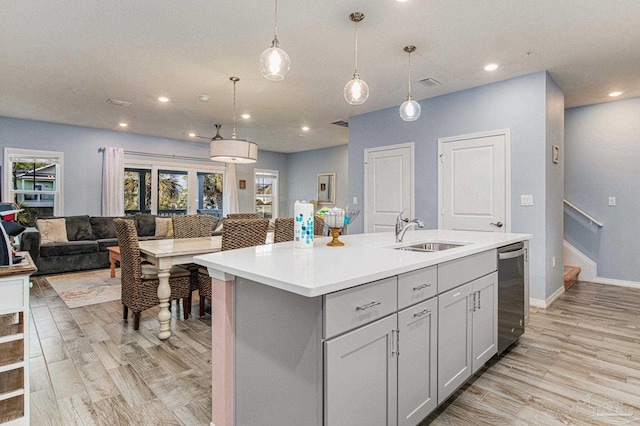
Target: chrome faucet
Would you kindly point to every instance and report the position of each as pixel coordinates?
(402, 224)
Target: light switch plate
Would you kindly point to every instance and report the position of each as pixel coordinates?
(612, 201)
(526, 200)
(355, 201)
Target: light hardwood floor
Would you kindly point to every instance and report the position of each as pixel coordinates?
(578, 363)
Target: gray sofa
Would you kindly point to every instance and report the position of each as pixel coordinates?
(89, 237)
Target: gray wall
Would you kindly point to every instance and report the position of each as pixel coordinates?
(554, 182)
(603, 160)
(83, 162)
(517, 104)
(304, 168)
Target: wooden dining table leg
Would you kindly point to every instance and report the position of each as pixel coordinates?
(164, 294)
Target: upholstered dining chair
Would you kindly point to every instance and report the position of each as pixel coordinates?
(192, 226)
(140, 282)
(243, 216)
(283, 230)
(236, 234)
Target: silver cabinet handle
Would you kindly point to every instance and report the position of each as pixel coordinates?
(367, 306)
(395, 340)
(479, 300)
(473, 308)
(421, 313)
(420, 287)
(510, 254)
(499, 224)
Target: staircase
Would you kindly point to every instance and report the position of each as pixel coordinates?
(570, 276)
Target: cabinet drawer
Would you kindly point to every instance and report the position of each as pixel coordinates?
(416, 286)
(456, 272)
(347, 309)
(11, 295)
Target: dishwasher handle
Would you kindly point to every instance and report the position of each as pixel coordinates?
(510, 254)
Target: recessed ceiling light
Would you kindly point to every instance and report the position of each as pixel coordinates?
(163, 99)
(123, 124)
(614, 94)
(305, 128)
(193, 135)
(491, 67)
(401, 1)
(203, 98)
(246, 116)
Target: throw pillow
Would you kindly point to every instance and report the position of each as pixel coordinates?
(164, 227)
(52, 230)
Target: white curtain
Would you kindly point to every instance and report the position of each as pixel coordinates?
(230, 191)
(113, 182)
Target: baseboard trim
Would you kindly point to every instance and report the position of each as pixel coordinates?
(544, 304)
(619, 283)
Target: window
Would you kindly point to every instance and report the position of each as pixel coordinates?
(33, 180)
(163, 187)
(137, 191)
(173, 192)
(266, 193)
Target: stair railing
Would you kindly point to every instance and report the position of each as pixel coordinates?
(583, 213)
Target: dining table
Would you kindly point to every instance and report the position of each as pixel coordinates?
(166, 253)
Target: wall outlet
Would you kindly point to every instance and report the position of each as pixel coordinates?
(612, 201)
(553, 261)
(355, 201)
(526, 200)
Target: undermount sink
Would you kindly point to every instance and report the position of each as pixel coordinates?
(429, 247)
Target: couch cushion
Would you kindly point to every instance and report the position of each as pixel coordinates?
(103, 227)
(52, 230)
(65, 249)
(106, 242)
(146, 225)
(164, 227)
(78, 228)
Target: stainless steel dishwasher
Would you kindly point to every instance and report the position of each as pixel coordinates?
(510, 294)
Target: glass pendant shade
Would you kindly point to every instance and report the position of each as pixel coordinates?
(274, 63)
(410, 110)
(356, 91)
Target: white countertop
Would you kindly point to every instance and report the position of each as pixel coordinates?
(364, 258)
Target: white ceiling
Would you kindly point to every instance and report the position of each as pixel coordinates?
(60, 60)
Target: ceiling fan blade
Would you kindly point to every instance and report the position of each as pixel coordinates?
(203, 137)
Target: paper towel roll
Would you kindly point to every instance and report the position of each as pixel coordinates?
(303, 224)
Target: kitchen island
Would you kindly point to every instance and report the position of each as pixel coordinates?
(360, 334)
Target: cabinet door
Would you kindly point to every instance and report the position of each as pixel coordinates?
(485, 319)
(454, 339)
(417, 362)
(361, 369)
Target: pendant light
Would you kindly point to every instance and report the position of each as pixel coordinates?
(232, 150)
(410, 110)
(356, 91)
(274, 62)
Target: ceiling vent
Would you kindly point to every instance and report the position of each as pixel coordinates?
(429, 82)
(341, 123)
(119, 102)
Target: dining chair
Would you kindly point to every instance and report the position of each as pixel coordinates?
(192, 226)
(283, 231)
(140, 282)
(236, 234)
(243, 216)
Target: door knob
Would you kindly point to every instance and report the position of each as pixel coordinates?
(499, 224)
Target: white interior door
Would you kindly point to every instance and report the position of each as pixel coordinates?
(388, 186)
(473, 182)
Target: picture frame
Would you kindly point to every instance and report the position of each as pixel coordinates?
(242, 184)
(326, 188)
(555, 154)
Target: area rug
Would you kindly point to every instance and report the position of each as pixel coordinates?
(87, 287)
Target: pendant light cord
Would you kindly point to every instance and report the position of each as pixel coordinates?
(233, 134)
(356, 73)
(409, 75)
(275, 37)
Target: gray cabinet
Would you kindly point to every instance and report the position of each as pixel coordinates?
(417, 362)
(485, 319)
(467, 332)
(455, 322)
(360, 375)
